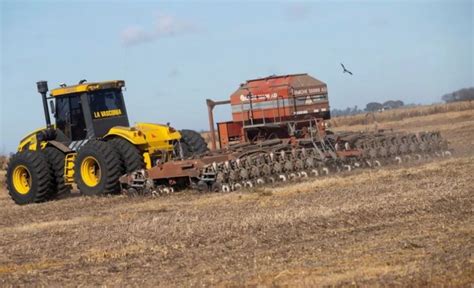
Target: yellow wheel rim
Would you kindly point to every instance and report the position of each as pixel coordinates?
(90, 171)
(22, 179)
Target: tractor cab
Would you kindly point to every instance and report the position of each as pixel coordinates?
(88, 110)
(90, 145)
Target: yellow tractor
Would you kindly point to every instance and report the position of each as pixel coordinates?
(91, 144)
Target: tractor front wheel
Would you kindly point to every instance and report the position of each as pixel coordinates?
(97, 169)
(29, 177)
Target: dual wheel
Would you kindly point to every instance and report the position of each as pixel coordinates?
(99, 165)
(192, 143)
(36, 176)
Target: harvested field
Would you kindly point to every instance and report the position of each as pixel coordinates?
(401, 113)
(401, 225)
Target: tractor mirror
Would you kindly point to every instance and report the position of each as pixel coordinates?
(52, 107)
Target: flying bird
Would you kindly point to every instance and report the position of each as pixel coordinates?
(345, 70)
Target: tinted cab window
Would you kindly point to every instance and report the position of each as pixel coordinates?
(106, 103)
(70, 117)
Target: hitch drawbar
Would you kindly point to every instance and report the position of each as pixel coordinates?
(194, 173)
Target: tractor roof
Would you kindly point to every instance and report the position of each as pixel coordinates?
(87, 86)
(274, 82)
(293, 80)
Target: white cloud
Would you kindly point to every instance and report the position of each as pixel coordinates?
(165, 26)
(297, 11)
(134, 34)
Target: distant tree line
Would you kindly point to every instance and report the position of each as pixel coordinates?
(388, 105)
(466, 94)
(460, 95)
(345, 112)
(370, 107)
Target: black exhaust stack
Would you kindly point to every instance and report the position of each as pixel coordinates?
(43, 89)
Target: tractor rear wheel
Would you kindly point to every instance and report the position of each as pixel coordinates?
(29, 177)
(56, 161)
(192, 143)
(130, 156)
(97, 169)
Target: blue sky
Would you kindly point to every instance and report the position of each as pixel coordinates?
(174, 55)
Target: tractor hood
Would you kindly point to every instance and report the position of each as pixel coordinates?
(154, 136)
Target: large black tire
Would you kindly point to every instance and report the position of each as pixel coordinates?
(33, 170)
(56, 161)
(130, 156)
(106, 164)
(192, 143)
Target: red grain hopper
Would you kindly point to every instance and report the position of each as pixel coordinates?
(263, 108)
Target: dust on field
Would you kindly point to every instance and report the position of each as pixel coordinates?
(408, 225)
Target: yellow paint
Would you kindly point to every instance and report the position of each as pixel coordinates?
(86, 87)
(21, 179)
(154, 141)
(69, 168)
(152, 138)
(128, 133)
(147, 160)
(90, 171)
(29, 142)
(159, 138)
